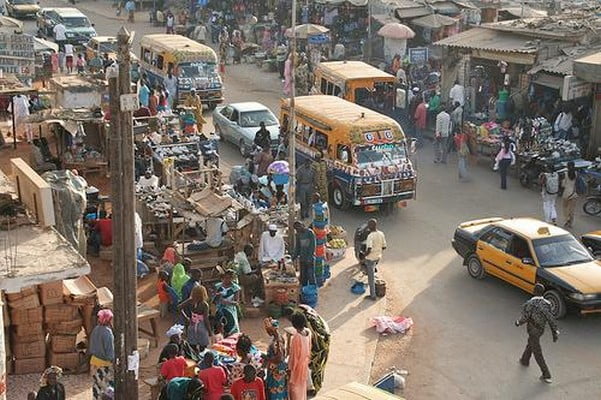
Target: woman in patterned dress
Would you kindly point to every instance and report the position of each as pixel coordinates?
(277, 379)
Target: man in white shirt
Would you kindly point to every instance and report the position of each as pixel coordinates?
(457, 94)
(60, 35)
(249, 278)
(149, 182)
(171, 85)
(375, 244)
(563, 124)
(200, 33)
(442, 136)
(69, 57)
(272, 246)
(215, 229)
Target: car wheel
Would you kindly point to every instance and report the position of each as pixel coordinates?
(339, 198)
(212, 106)
(242, 147)
(558, 304)
(474, 267)
(592, 206)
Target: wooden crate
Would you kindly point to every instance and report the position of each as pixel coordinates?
(63, 343)
(22, 317)
(27, 329)
(65, 328)
(29, 365)
(51, 293)
(29, 301)
(67, 361)
(29, 350)
(61, 313)
(24, 292)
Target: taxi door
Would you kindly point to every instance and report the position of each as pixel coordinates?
(520, 263)
(492, 251)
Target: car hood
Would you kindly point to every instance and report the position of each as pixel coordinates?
(82, 31)
(585, 278)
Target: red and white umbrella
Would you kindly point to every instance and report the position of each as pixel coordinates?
(394, 30)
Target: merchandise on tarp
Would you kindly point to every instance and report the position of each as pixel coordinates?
(69, 196)
(386, 324)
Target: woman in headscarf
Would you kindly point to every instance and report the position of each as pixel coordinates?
(175, 337)
(195, 310)
(50, 387)
(276, 381)
(179, 278)
(102, 351)
(226, 299)
(320, 341)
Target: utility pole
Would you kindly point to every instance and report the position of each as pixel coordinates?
(368, 31)
(124, 251)
(292, 136)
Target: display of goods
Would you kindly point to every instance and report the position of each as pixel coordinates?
(61, 313)
(29, 365)
(67, 361)
(51, 293)
(63, 343)
(320, 233)
(335, 254)
(337, 232)
(65, 328)
(337, 244)
(24, 292)
(29, 316)
(27, 329)
(30, 349)
(280, 296)
(30, 301)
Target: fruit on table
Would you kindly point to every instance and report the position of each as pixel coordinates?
(337, 243)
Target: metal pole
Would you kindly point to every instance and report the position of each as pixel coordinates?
(368, 31)
(124, 252)
(292, 136)
(12, 113)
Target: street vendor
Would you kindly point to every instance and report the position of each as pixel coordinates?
(193, 101)
(149, 182)
(249, 279)
(184, 349)
(272, 246)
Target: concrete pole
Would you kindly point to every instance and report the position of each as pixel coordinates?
(124, 251)
(2, 354)
(292, 136)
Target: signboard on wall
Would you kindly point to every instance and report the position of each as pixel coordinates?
(418, 55)
(574, 88)
(17, 55)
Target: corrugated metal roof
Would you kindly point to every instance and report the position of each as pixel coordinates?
(487, 39)
(410, 9)
(563, 64)
(434, 21)
(445, 7)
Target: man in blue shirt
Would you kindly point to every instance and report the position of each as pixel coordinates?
(144, 94)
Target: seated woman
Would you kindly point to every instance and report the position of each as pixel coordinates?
(175, 337)
(248, 355)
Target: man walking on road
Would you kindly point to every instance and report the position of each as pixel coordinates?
(443, 133)
(375, 244)
(536, 313)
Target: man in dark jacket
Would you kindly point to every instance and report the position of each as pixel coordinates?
(536, 313)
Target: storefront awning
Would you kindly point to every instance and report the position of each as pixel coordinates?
(551, 81)
(434, 21)
(563, 64)
(491, 40)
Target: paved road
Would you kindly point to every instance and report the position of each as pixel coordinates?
(465, 345)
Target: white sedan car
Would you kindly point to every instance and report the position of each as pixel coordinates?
(238, 123)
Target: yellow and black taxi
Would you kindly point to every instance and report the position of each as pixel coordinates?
(526, 251)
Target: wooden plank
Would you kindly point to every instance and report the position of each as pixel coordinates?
(34, 192)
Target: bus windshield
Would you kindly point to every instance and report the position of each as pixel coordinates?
(380, 154)
(198, 70)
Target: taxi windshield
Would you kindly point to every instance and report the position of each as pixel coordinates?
(560, 251)
(380, 154)
(196, 70)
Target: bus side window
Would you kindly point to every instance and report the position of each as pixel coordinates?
(330, 88)
(337, 91)
(160, 62)
(321, 141)
(324, 86)
(344, 154)
(171, 67)
(146, 55)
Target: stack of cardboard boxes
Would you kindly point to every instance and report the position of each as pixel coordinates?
(27, 338)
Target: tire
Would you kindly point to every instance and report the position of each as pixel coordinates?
(474, 267)
(212, 106)
(592, 206)
(339, 198)
(558, 304)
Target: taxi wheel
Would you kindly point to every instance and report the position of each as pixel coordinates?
(558, 304)
(474, 267)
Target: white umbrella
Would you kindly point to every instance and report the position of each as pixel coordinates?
(394, 30)
(306, 30)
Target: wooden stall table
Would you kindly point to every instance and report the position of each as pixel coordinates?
(87, 167)
(275, 281)
(146, 313)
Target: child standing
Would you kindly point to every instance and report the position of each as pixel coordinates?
(81, 64)
(162, 290)
(175, 366)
